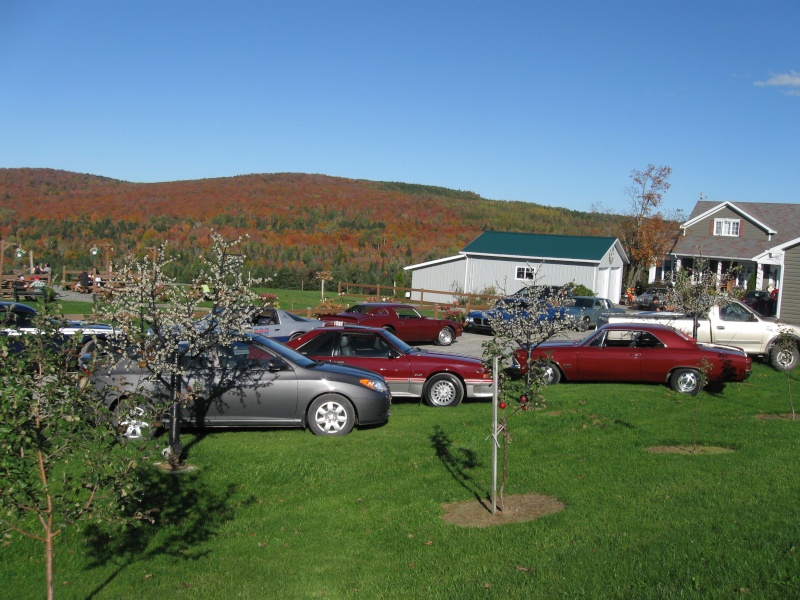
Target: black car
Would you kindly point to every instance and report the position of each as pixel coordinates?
(19, 319)
(760, 301)
(255, 382)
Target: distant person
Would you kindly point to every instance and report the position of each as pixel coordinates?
(773, 305)
(98, 281)
(46, 269)
(37, 285)
(656, 304)
(20, 287)
(84, 285)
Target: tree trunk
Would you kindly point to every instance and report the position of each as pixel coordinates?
(48, 557)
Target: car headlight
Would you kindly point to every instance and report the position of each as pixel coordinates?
(373, 384)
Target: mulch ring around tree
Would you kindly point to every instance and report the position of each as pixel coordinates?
(519, 508)
(787, 416)
(167, 467)
(689, 450)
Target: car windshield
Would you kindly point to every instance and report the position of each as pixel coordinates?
(295, 317)
(398, 343)
(512, 303)
(583, 303)
(361, 309)
(283, 351)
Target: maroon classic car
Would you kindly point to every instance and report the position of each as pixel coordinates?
(638, 352)
(402, 320)
(440, 379)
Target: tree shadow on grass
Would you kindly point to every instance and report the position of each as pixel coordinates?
(186, 514)
(458, 461)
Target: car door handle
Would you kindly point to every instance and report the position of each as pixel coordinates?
(720, 326)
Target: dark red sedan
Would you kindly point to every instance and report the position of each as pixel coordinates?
(635, 352)
(440, 379)
(403, 320)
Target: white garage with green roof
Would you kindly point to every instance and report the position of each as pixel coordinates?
(507, 261)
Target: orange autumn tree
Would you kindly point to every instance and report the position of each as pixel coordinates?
(646, 231)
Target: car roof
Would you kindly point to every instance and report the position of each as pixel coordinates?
(637, 326)
(17, 307)
(385, 304)
(345, 327)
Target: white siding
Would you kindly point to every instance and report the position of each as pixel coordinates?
(502, 274)
(439, 277)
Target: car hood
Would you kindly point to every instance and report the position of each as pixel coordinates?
(450, 358)
(346, 370)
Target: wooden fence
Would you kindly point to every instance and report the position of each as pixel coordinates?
(390, 293)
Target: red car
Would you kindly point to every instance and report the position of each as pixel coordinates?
(402, 320)
(440, 379)
(638, 352)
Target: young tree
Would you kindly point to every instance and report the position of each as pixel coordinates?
(645, 230)
(62, 461)
(695, 292)
(527, 322)
(157, 318)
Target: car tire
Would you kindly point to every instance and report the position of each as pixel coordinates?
(131, 421)
(685, 381)
(443, 390)
(445, 337)
(331, 414)
(551, 374)
(296, 335)
(390, 329)
(784, 359)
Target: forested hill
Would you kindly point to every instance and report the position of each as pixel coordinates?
(297, 224)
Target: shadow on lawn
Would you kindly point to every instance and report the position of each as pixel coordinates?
(457, 461)
(186, 514)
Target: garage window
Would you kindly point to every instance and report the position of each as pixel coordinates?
(525, 273)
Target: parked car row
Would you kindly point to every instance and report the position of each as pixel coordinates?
(343, 370)
(584, 309)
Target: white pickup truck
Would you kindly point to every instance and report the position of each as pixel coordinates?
(732, 324)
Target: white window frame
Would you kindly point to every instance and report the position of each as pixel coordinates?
(528, 273)
(727, 227)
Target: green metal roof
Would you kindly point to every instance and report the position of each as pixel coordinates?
(540, 245)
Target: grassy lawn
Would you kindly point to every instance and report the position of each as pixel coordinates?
(296, 301)
(287, 514)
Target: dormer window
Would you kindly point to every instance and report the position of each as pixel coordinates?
(726, 227)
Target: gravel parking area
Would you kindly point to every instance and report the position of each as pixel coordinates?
(469, 344)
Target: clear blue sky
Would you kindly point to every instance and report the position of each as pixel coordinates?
(549, 102)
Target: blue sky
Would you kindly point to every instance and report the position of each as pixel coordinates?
(547, 102)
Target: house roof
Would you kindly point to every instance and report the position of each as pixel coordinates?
(543, 246)
(778, 220)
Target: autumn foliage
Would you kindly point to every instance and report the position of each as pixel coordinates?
(297, 224)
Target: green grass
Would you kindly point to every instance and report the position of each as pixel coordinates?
(287, 514)
(296, 301)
